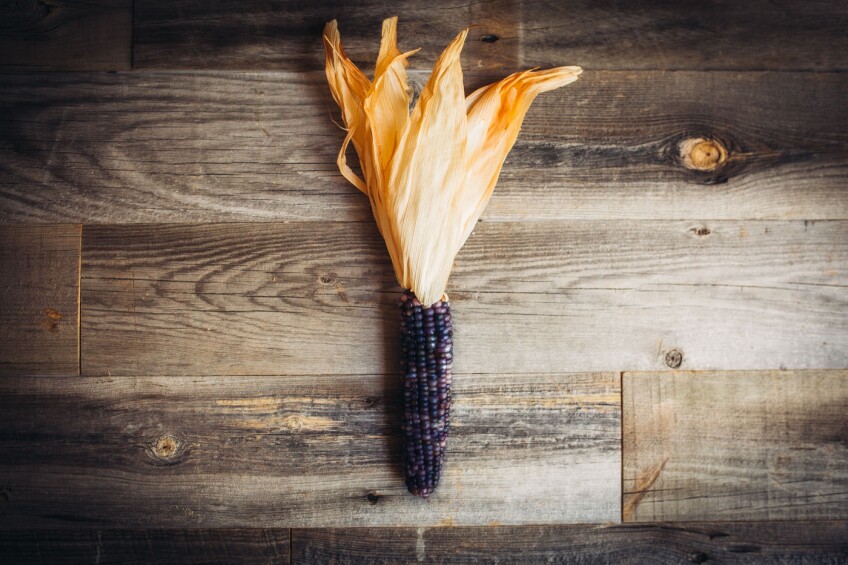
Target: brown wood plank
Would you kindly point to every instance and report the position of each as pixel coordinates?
(791, 543)
(66, 35)
(175, 452)
(320, 298)
(205, 147)
(279, 34)
(145, 546)
(39, 299)
(735, 446)
(708, 35)
(265, 34)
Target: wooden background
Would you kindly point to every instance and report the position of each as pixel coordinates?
(197, 315)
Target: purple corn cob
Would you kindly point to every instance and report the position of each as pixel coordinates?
(426, 355)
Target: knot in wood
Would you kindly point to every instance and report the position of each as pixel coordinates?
(166, 446)
(51, 320)
(293, 423)
(701, 154)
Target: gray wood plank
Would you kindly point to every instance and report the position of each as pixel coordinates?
(205, 147)
(178, 452)
(708, 35)
(145, 546)
(286, 35)
(790, 543)
(39, 299)
(66, 35)
(735, 446)
(320, 298)
(266, 34)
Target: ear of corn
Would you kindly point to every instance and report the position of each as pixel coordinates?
(428, 175)
(426, 356)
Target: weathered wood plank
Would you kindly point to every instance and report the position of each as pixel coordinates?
(173, 452)
(709, 35)
(66, 35)
(145, 546)
(739, 446)
(39, 299)
(280, 34)
(320, 298)
(264, 34)
(204, 147)
(792, 543)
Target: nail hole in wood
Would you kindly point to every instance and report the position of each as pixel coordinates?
(489, 38)
(373, 497)
(674, 358)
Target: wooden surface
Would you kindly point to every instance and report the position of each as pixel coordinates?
(196, 34)
(179, 547)
(179, 452)
(735, 446)
(721, 542)
(676, 221)
(714, 35)
(39, 300)
(152, 147)
(705, 36)
(66, 35)
(317, 298)
(796, 543)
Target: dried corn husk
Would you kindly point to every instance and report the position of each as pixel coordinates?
(428, 174)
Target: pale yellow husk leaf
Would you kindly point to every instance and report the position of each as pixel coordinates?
(428, 175)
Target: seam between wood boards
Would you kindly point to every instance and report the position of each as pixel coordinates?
(132, 35)
(503, 374)
(621, 447)
(724, 371)
(423, 72)
(369, 222)
(79, 300)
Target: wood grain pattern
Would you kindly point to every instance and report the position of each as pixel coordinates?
(320, 298)
(145, 546)
(39, 293)
(266, 34)
(740, 446)
(709, 35)
(205, 147)
(176, 452)
(66, 35)
(280, 34)
(791, 543)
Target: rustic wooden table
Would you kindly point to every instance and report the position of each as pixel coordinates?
(197, 315)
